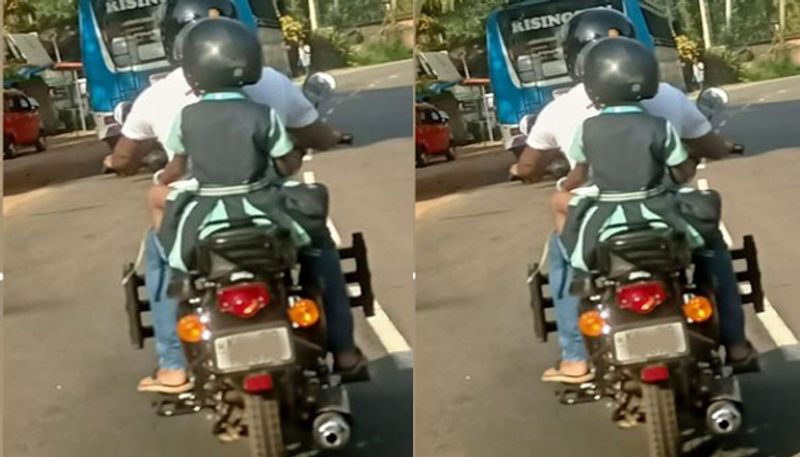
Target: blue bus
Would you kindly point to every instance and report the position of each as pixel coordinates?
(123, 52)
(526, 62)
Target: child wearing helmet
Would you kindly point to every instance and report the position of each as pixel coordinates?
(235, 145)
(633, 157)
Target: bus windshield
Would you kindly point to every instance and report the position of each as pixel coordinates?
(530, 35)
(130, 30)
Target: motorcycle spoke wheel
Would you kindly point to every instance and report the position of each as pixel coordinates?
(264, 427)
(661, 421)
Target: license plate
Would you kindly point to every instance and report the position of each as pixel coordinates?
(644, 343)
(268, 347)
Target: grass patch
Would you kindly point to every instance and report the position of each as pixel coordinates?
(777, 64)
(380, 52)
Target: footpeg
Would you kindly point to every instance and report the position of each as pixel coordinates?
(178, 405)
(584, 393)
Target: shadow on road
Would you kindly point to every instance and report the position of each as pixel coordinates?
(779, 133)
(373, 115)
(383, 412)
(772, 406)
(463, 174)
(61, 163)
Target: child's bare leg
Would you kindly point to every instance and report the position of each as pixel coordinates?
(156, 202)
(559, 203)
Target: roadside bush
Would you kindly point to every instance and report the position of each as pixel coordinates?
(330, 49)
(380, 52)
(722, 66)
(776, 64)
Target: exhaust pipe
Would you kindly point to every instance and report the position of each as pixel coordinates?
(723, 417)
(331, 431)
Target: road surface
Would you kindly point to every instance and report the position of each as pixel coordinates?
(70, 371)
(476, 234)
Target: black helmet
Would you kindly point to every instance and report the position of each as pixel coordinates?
(180, 13)
(620, 70)
(220, 53)
(588, 26)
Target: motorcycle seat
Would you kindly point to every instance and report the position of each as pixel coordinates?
(655, 249)
(247, 247)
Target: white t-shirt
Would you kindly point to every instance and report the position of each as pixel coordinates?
(156, 108)
(558, 122)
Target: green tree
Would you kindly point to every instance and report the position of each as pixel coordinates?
(39, 15)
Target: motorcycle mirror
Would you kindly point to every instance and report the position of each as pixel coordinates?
(318, 87)
(712, 100)
(121, 112)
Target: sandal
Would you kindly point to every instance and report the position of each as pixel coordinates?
(152, 384)
(556, 375)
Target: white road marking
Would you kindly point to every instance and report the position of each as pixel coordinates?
(307, 157)
(396, 76)
(2, 276)
(722, 124)
(782, 91)
(392, 340)
(329, 112)
(776, 327)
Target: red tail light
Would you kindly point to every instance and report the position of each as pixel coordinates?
(642, 297)
(655, 373)
(257, 383)
(243, 300)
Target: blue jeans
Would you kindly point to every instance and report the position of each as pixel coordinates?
(164, 309)
(713, 263)
(320, 261)
(322, 264)
(566, 305)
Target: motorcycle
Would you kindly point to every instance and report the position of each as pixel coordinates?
(651, 328)
(253, 332)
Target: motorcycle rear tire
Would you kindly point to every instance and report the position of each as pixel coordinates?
(264, 427)
(661, 421)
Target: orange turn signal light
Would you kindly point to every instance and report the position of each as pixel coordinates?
(698, 309)
(191, 328)
(304, 313)
(591, 323)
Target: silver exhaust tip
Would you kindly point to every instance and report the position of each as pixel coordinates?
(724, 417)
(331, 431)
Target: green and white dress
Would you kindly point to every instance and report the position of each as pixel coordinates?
(628, 153)
(231, 143)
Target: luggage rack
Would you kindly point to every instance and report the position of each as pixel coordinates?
(542, 300)
(359, 282)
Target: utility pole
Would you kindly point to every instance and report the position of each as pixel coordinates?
(728, 8)
(312, 14)
(706, 23)
(782, 18)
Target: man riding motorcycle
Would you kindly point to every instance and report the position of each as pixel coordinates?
(553, 132)
(150, 120)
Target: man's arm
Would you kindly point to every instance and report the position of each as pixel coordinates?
(710, 146)
(317, 135)
(128, 154)
(533, 163)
